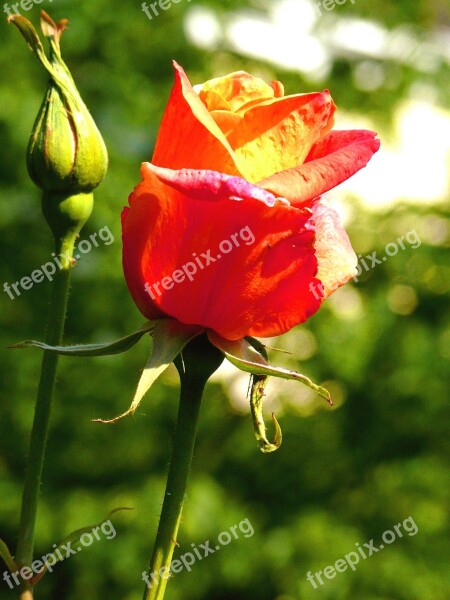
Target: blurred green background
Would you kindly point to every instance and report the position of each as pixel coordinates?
(343, 475)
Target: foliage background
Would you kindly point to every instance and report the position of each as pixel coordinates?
(343, 475)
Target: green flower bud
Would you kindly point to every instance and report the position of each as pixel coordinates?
(66, 153)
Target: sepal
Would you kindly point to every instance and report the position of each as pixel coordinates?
(246, 355)
(105, 349)
(257, 393)
(169, 339)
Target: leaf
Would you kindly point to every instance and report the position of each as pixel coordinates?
(258, 384)
(70, 540)
(243, 355)
(169, 339)
(7, 557)
(105, 349)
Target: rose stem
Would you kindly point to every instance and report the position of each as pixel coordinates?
(38, 439)
(199, 361)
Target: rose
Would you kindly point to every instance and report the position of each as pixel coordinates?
(228, 232)
(232, 155)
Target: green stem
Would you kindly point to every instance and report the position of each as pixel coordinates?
(180, 466)
(39, 432)
(199, 361)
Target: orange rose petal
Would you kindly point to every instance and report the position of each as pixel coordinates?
(189, 136)
(213, 101)
(237, 89)
(342, 140)
(227, 121)
(330, 162)
(278, 135)
(335, 256)
(259, 287)
(278, 88)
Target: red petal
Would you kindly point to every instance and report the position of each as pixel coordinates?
(261, 283)
(331, 161)
(210, 185)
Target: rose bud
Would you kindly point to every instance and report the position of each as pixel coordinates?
(66, 152)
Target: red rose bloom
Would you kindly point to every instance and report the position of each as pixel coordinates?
(228, 229)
